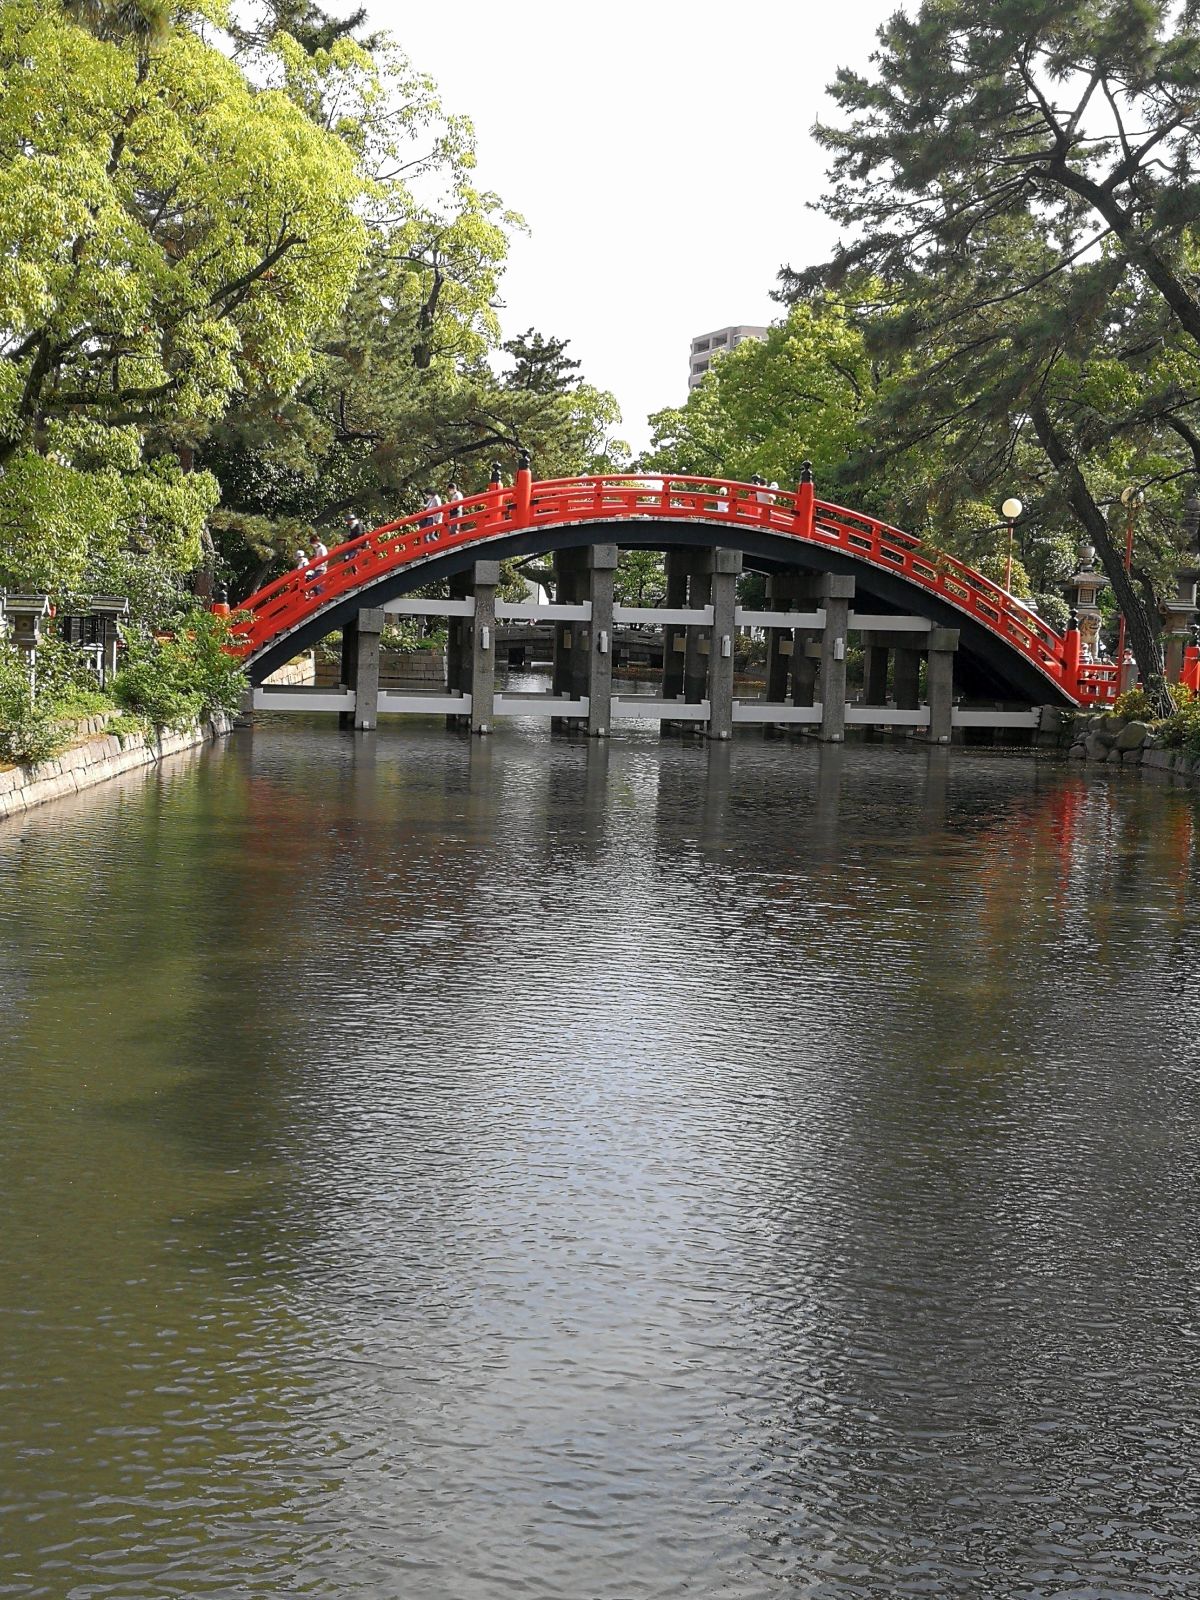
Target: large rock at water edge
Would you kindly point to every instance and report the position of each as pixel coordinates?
(1132, 736)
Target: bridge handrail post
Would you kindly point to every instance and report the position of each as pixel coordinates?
(806, 513)
(524, 488)
(1072, 656)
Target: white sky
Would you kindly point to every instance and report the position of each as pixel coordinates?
(660, 153)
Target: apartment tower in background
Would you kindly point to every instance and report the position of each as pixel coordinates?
(707, 345)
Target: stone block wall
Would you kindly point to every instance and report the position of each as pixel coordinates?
(95, 757)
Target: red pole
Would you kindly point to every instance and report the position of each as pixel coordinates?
(1072, 656)
(806, 515)
(524, 488)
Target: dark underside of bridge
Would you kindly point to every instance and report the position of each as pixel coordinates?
(985, 669)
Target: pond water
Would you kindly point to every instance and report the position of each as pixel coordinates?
(448, 1170)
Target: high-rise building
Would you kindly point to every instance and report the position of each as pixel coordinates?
(707, 345)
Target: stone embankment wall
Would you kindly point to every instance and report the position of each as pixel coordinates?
(95, 757)
(1124, 741)
(398, 669)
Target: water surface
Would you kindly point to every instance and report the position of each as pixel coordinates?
(435, 1168)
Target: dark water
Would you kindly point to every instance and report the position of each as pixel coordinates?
(435, 1169)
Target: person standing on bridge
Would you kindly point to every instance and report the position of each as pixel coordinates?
(453, 495)
(354, 527)
(319, 551)
(300, 559)
(433, 501)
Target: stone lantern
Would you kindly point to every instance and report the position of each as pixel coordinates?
(26, 614)
(1179, 609)
(108, 612)
(1084, 588)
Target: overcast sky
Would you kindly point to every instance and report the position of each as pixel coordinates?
(660, 153)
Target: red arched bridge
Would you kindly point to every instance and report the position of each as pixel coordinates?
(1015, 654)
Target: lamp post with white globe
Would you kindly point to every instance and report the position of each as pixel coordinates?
(1010, 511)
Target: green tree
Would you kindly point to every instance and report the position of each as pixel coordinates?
(1021, 180)
(172, 237)
(769, 405)
(540, 364)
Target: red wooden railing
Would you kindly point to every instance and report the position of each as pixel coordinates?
(288, 602)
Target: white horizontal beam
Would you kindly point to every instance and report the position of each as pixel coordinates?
(531, 611)
(300, 698)
(638, 707)
(773, 711)
(994, 719)
(648, 616)
(539, 705)
(431, 608)
(888, 717)
(428, 705)
(884, 624)
(777, 619)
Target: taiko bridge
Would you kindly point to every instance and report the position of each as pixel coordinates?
(831, 572)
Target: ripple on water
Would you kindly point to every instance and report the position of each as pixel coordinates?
(433, 1169)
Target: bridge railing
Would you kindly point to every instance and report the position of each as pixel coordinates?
(284, 604)
(1097, 683)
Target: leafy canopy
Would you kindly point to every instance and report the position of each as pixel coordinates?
(171, 237)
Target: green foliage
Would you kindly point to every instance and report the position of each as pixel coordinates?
(408, 634)
(1181, 730)
(1053, 609)
(641, 578)
(126, 725)
(1134, 704)
(175, 679)
(172, 236)
(769, 405)
(31, 727)
(1017, 185)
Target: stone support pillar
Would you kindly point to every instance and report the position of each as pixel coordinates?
(836, 592)
(602, 571)
(906, 678)
(348, 672)
(570, 661)
(483, 647)
(939, 688)
(806, 659)
(780, 646)
(699, 637)
(875, 671)
(365, 681)
(676, 562)
(727, 564)
(459, 639)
